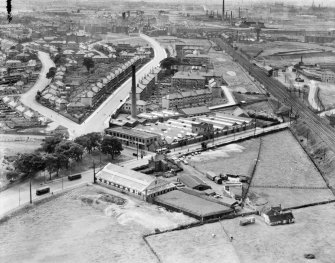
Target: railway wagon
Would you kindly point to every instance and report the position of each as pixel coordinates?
(211, 175)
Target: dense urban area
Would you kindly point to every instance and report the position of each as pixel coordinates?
(157, 131)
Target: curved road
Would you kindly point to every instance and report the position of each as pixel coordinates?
(98, 120)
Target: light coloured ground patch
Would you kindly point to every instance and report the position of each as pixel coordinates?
(283, 162)
(195, 245)
(81, 226)
(233, 158)
(312, 232)
(231, 73)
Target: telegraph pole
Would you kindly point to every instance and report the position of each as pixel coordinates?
(31, 197)
(94, 178)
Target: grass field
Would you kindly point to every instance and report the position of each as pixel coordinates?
(283, 162)
(195, 245)
(88, 224)
(233, 158)
(312, 232)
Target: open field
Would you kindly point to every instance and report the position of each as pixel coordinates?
(231, 72)
(233, 158)
(195, 245)
(312, 232)
(88, 224)
(327, 94)
(283, 162)
(288, 197)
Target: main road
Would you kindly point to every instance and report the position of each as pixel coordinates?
(98, 120)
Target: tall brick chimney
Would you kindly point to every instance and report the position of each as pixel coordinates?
(133, 92)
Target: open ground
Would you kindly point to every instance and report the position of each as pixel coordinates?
(87, 224)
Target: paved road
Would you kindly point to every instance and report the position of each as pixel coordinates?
(98, 121)
(19, 194)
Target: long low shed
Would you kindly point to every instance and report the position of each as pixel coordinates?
(191, 205)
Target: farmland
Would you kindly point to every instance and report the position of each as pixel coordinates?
(313, 231)
(195, 245)
(88, 224)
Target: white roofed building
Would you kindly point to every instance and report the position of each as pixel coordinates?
(134, 183)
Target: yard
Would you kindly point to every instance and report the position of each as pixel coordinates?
(88, 224)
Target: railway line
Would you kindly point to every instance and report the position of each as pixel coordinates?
(325, 132)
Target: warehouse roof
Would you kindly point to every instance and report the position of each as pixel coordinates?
(192, 204)
(134, 132)
(125, 177)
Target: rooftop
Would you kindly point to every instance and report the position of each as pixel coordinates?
(134, 132)
(192, 204)
(125, 177)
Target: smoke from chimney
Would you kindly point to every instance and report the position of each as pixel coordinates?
(133, 92)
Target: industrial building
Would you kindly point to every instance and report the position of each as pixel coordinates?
(136, 138)
(188, 80)
(193, 182)
(192, 205)
(133, 183)
(328, 76)
(178, 100)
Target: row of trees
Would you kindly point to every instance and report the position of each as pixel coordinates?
(56, 153)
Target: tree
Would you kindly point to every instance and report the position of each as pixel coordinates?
(29, 163)
(12, 175)
(111, 145)
(70, 150)
(89, 141)
(167, 63)
(88, 63)
(51, 73)
(55, 162)
(50, 143)
(51, 164)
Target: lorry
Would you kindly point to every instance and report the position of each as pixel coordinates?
(247, 221)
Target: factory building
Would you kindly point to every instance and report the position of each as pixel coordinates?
(328, 76)
(186, 99)
(319, 39)
(197, 59)
(133, 183)
(136, 138)
(188, 80)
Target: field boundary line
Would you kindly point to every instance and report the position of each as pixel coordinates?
(256, 161)
(144, 237)
(289, 187)
(314, 163)
(309, 205)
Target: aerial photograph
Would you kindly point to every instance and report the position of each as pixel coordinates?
(169, 131)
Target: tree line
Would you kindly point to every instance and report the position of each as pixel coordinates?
(56, 153)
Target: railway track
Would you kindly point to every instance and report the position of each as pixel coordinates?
(325, 132)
